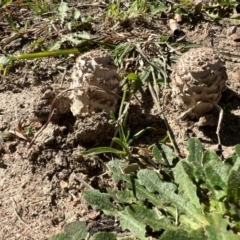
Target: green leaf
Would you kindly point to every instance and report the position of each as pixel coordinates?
(62, 11)
(5, 3)
(195, 169)
(163, 154)
(152, 182)
(99, 200)
(100, 150)
(186, 186)
(128, 221)
(145, 75)
(181, 234)
(4, 60)
(126, 238)
(133, 77)
(131, 168)
(157, 9)
(218, 228)
(136, 82)
(83, 35)
(195, 149)
(60, 236)
(215, 170)
(185, 221)
(139, 191)
(76, 13)
(237, 149)
(55, 45)
(141, 132)
(123, 196)
(233, 186)
(150, 217)
(121, 142)
(116, 168)
(76, 230)
(104, 236)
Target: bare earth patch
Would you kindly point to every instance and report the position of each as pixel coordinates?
(42, 186)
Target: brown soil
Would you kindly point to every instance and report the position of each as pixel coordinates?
(42, 186)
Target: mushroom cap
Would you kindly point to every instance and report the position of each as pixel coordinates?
(205, 1)
(95, 68)
(198, 78)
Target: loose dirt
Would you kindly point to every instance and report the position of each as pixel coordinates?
(42, 186)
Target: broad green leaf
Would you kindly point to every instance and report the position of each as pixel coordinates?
(83, 35)
(55, 46)
(131, 168)
(133, 77)
(163, 154)
(60, 236)
(4, 60)
(157, 9)
(218, 228)
(136, 82)
(181, 234)
(150, 217)
(116, 167)
(209, 156)
(100, 150)
(237, 149)
(139, 191)
(233, 186)
(186, 186)
(76, 13)
(128, 221)
(104, 236)
(185, 221)
(195, 169)
(215, 170)
(231, 160)
(62, 10)
(76, 230)
(152, 182)
(194, 147)
(99, 200)
(126, 238)
(123, 196)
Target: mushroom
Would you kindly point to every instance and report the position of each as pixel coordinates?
(198, 79)
(97, 74)
(205, 1)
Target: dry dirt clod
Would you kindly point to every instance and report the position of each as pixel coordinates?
(177, 33)
(198, 79)
(95, 68)
(231, 30)
(205, 1)
(178, 18)
(235, 37)
(237, 75)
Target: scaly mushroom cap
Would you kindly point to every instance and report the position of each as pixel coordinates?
(95, 68)
(198, 79)
(205, 1)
